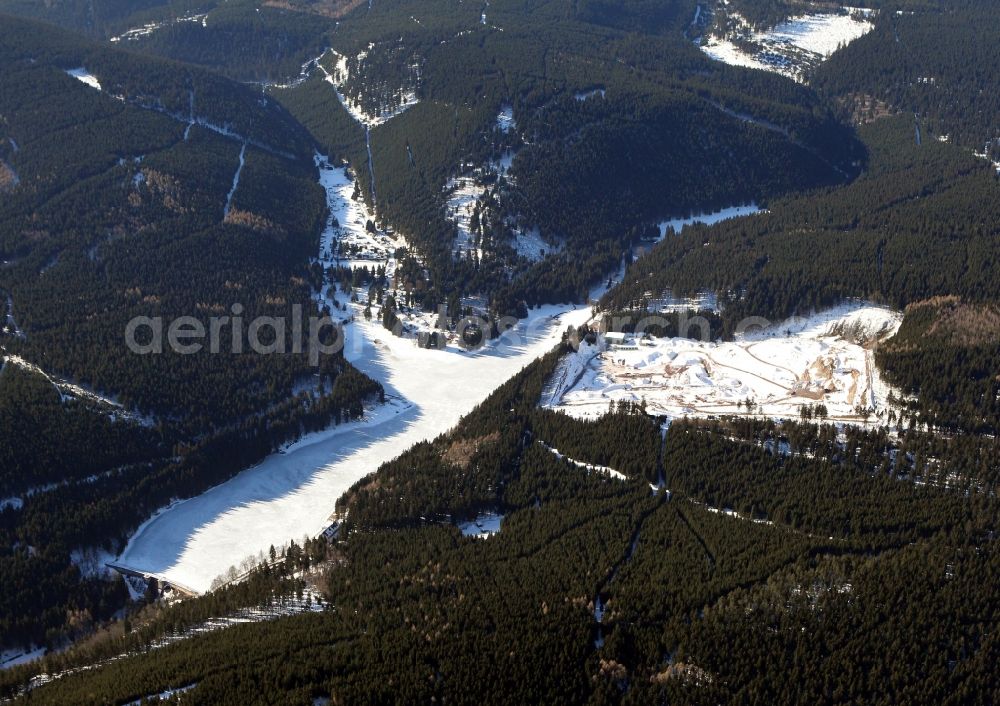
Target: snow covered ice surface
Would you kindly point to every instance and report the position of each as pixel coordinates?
(676, 225)
(291, 494)
(794, 46)
(805, 361)
(81, 74)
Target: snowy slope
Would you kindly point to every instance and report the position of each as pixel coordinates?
(83, 76)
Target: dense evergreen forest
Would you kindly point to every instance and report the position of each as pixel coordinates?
(920, 222)
(932, 59)
(639, 560)
(765, 570)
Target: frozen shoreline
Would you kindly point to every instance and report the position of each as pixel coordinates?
(292, 493)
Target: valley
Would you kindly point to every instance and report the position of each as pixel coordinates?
(590, 353)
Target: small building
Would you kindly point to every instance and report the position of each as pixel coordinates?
(620, 341)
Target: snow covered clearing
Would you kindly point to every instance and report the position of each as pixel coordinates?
(347, 239)
(825, 359)
(485, 525)
(587, 95)
(505, 118)
(162, 695)
(985, 154)
(81, 74)
(466, 194)
(791, 48)
(15, 657)
(10, 327)
(529, 243)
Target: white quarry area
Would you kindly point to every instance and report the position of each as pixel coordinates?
(83, 76)
(791, 48)
(823, 359)
(340, 76)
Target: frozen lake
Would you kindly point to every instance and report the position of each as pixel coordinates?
(292, 494)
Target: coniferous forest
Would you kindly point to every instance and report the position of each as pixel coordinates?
(166, 158)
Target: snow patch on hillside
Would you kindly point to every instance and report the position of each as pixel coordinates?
(505, 119)
(406, 98)
(69, 390)
(149, 28)
(485, 525)
(15, 657)
(587, 95)
(82, 75)
(589, 467)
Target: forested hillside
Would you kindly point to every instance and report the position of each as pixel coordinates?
(930, 58)
(609, 130)
(920, 222)
(598, 590)
(154, 191)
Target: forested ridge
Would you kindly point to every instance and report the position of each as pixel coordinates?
(126, 205)
(929, 58)
(670, 132)
(918, 223)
